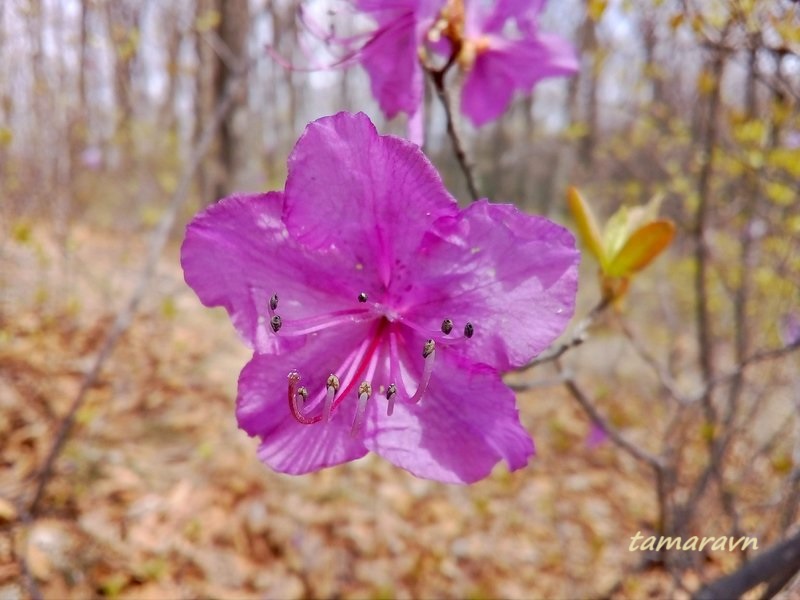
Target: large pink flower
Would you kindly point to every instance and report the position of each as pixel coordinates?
(381, 316)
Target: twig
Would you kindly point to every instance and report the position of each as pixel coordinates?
(758, 357)
(775, 566)
(125, 316)
(437, 77)
(643, 456)
(664, 378)
(27, 577)
(578, 337)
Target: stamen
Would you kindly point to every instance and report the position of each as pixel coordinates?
(294, 377)
(273, 302)
(299, 327)
(391, 392)
(447, 326)
(362, 297)
(364, 392)
(303, 393)
(429, 352)
(469, 330)
(332, 386)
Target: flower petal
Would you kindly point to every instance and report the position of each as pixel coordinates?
(464, 425)
(237, 253)
(390, 58)
(262, 405)
(513, 276)
(365, 197)
(512, 65)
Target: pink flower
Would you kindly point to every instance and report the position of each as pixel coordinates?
(503, 52)
(391, 55)
(497, 44)
(381, 316)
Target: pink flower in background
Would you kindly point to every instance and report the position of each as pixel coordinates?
(391, 55)
(381, 316)
(503, 52)
(497, 44)
(790, 329)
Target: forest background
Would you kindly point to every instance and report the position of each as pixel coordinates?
(122, 473)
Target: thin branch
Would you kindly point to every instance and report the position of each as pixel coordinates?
(643, 456)
(29, 580)
(437, 77)
(125, 316)
(664, 378)
(775, 566)
(758, 357)
(579, 336)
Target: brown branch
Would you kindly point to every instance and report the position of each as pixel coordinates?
(578, 337)
(437, 77)
(28, 578)
(643, 456)
(125, 315)
(775, 566)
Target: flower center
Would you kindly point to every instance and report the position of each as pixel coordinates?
(357, 371)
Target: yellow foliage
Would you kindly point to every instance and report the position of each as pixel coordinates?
(6, 136)
(596, 9)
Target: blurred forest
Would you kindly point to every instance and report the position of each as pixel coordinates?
(122, 473)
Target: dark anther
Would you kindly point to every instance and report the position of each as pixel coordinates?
(391, 390)
(362, 297)
(447, 326)
(276, 323)
(469, 330)
(428, 348)
(303, 393)
(273, 302)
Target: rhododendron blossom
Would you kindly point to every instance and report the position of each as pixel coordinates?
(502, 52)
(497, 44)
(380, 314)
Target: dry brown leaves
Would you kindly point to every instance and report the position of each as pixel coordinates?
(158, 495)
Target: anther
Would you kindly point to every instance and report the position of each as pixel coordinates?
(332, 386)
(362, 297)
(273, 302)
(333, 382)
(391, 392)
(294, 391)
(303, 393)
(275, 322)
(469, 330)
(429, 352)
(364, 392)
(447, 326)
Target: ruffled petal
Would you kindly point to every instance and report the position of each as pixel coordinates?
(262, 404)
(512, 65)
(464, 425)
(237, 253)
(363, 197)
(513, 276)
